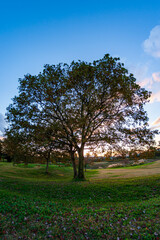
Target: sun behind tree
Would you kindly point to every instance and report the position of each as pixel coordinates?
(82, 104)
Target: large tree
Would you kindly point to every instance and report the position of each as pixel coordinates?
(84, 104)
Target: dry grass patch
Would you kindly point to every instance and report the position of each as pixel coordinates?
(129, 172)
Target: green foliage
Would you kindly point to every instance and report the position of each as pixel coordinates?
(67, 107)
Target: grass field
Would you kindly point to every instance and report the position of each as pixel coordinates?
(121, 203)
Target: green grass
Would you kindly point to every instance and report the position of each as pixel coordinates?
(36, 206)
(36, 172)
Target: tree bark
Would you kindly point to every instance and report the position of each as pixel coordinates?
(26, 160)
(81, 164)
(48, 158)
(47, 166)
(74, 164)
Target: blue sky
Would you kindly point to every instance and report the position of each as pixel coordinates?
(34, 33)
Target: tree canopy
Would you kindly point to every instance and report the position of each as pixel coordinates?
(81, 104)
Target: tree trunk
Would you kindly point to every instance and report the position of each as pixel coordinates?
(81, 164)
(48, 159)
(47, 166)
(26, 160)
(74, 164)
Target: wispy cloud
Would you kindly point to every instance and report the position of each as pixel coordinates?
(139, 70)
(156, 124)
(2, 124)
(155, 97)
(156, 76)
(150, 80)
(155, 127)
(152, 44)
(146, 82)
(157, 121)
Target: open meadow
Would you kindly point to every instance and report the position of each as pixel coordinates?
(119, 203)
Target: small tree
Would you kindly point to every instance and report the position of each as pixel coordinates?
(87, 103)
(17, 147)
